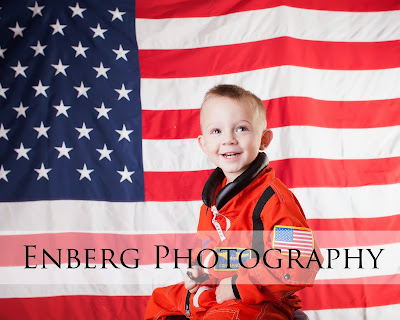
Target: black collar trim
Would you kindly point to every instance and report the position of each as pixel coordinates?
(233, 188)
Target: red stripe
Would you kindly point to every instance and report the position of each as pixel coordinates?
(295, 173)
(303, 252)
(170, 124)
(288, 111)
(154, 9)
(217, 60)
(74, 307)
(389, 223)
(304, 234)
(375, 280)
(302, 237)
(133, 307)
(302, 242)
(286, 248)
(310, 173)
(339, 296)
(174, 186)
(291, 111)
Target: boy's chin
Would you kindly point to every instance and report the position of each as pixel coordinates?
(232, 174)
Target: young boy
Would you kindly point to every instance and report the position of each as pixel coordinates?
(257, 247)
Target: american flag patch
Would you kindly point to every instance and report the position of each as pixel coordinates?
(286, 238)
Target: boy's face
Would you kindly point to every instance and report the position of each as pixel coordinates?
(231, 135)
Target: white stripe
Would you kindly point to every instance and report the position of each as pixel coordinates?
(302, 238)
(284, 244)
(338, 203)
(387, 263)
(306, 235)
(177, 155)
(303, 252)
(276, 82)
(182, 216)
(266, 24)
(99, 216)
(326, 143)
(20, 282)
(372, 313)
(23, 291)
(295, 243)
(197, 295)
(299, 232)
(288, 142)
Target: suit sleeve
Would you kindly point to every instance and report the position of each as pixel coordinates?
(277, 276)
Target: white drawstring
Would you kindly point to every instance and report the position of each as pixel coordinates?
(217, 225)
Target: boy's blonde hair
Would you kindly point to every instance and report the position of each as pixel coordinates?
(241, 95)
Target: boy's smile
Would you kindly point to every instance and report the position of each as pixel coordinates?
(231, 135)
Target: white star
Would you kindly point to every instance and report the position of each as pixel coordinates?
(61, 109)
(103, 111)
(123, 93)
(2, 52)
(58, 28)
(3, 91)
(4, 173)
(3, 132)
(116, 14)
(82, 90)
(101, 71)
(126, 175)
(85, 173)
(98, 32)
(39, 49)
(40, 89)
(121, 53)
(60, 68)
(84, 132)
(19, 70)
(124, 134)
(17, 30)
(42, 130)
(22, 152)
(63, 151)
(42, 172)
(80, 50)
(21, 110)
(77, 11)
(105, 153)
(36, 10)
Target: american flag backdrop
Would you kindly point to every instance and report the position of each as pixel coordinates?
(98, 124)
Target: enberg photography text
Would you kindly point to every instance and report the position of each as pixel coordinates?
(129, 258)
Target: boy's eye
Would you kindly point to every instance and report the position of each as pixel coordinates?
(242, 128)
(215, 131)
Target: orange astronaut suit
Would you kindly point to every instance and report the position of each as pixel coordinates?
(245, 215)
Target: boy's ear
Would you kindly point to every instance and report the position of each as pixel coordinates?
(266, 139)
(200, 140)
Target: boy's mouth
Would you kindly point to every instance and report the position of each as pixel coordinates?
(230, 155)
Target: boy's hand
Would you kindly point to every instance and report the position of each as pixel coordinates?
(224, 291)
(190, 284)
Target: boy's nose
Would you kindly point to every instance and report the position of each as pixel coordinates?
(229, 138)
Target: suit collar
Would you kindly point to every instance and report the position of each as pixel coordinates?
(233, 188)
